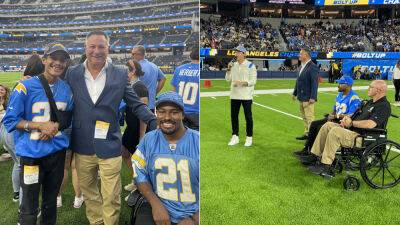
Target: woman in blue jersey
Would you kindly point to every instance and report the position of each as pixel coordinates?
(39, 141)
(33, 67)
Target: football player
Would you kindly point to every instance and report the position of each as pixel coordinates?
(166, 168)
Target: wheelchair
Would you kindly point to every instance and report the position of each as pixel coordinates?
(377, 159)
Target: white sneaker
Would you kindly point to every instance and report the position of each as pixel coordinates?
(130, 187)
(59, 201)
(126, 198)
(78, 201)
(249, 141)
(234, 140)
(397, 103)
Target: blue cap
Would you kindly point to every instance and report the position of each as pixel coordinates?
(345, 80)
(170, 97)
(54, 48)
(240, 48)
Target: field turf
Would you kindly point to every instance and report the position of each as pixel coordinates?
(265, 183)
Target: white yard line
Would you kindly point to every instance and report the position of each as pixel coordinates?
(276, 110)
(327, 93)
(278, 91)
(213, 97)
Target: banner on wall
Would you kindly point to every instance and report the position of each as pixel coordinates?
(356, 2)
(385, 66)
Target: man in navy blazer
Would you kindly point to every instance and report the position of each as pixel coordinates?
(98, 88)
(306, 90)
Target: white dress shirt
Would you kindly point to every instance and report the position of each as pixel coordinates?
(95, 86)
(303, 66)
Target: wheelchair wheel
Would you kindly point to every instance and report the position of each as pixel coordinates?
(380, 165)
(351, 183)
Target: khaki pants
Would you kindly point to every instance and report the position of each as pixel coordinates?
(105, 207)
(330, 138)
(307, 113)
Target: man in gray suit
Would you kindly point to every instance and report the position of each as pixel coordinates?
(306, 90)
(98, 88)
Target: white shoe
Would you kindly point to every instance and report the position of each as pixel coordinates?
(78, 201)
(130, 187)
(126, 198)
(234, 140)
(249, 141)
(59, 201)
(397, 103)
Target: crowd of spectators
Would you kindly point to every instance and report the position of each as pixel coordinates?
(230, 32)
(324, 36)
(384, 35)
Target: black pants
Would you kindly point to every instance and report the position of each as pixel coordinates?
(235, 108)
(330, 78)
(191, 121)
(51, 173)
(315, 126)
(396, 83)
(145, 216)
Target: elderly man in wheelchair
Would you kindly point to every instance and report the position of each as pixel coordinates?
(372, 115)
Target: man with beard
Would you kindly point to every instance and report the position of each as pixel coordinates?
(39, 140)
(166, 168)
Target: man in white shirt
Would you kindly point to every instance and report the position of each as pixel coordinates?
(98, 87)
(243, 76)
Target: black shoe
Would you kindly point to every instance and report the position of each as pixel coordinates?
(302, 152)
(322, 169)
(302, 138)
(16, 197)
(308, 160)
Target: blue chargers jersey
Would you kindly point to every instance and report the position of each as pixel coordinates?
(346, 104)
(173, 174)
(29, 102)
(186, 82)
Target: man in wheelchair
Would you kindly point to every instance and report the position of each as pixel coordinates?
(166, 169)
(347, 102)
(372, 114)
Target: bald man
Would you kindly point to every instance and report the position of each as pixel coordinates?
(372, 114)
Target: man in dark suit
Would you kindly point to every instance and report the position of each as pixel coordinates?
(306, 89)
(98, 88)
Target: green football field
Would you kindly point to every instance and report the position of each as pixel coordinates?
(66, 214)
(265, 183)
